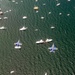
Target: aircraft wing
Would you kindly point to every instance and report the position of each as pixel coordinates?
(17, 43)
(52, 51)
(55, 48)
(50, 48)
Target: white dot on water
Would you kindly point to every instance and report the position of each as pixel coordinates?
(16, 2)
(9, 10)
(44, 3)
(68, 0)
(60, 13)
(36, 29)
(56, 0)
(36, 0)
(49, 12)
(5, 17)
(57, 4)
(42, 17)
(21, 1)
(52, 27)
(68, 14)
(37, 11)
(12, 72)
(45, 73)
(13, 0)
(0, 18)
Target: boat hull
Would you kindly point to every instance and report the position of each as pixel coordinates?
(17, 47)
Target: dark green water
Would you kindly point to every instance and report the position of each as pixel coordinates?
(35, 59)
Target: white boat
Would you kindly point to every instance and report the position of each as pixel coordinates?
(24, 17)
(13, 0)
(44, 3)
(57, 4)
(1, 13)
(52, 27)
(42, 17)
(5, 17)
(40, 41)
(23, 28)
(12, 72)
(36, 0)
(68, 0)
(16, 2)
(60, 13)
(2, 28)
(48, 40)
(36, 29)
(36, 8)
(37, 11)
(49, 12)
(10, 10)
(17, 47)
(0, 9)
(21, 1)
(45, 73)
(0, 18)
(68, 14)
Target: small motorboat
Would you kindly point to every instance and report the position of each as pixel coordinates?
(17, 47)
(52, 27)
(48, 40)
(36, 8)
(2, 28)
(40, 41)
(57, 4)
(0, 18)
(24, 17)
(12, 72)
(45, 73)
(23, 28)
(42, 17)
(1, 13)
(5, 17)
